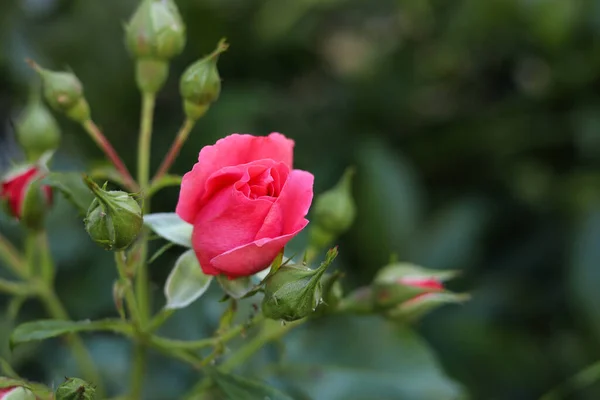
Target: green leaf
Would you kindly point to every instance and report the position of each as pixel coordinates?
(238, 388)
(50, 328)
(236, 288)
(71, 185)
(186, 282)
(169, 226)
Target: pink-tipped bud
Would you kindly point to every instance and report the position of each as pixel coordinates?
(24, 196)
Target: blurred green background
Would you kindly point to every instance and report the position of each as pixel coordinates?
(475, 129)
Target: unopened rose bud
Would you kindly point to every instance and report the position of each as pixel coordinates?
(334, 212)
(64, 92)
(200, 84)
(294, 291)
(424, 303)
(24, 196)
(154, 35)
(114, 218)
(16, 393)
(75, 389)
(401, 282)
(36, 129)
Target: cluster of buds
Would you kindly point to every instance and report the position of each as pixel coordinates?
(24, 196)
(403, 291)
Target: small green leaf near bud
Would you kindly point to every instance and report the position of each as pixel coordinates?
(294, 291)
(114, 219)
(64, 92)
(200, 84)
(36, 129)
(75, 389)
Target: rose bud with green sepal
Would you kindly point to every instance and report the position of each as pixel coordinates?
(155, 34)
(75, 389)
(294, 291)
(114, 219)
(420, 305)
(16, 393)
(200, 84)
(401, 282)
(25, 197)
(64, 92)
(36, 129)
(334, 213)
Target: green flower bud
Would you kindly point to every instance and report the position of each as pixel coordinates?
(154, 35)
(64, 92)
(294, 291)
(75, 389)
(155, 30)
(401, 282)
(114, 218)
(200, 84)
(36, 129)
(334, 213)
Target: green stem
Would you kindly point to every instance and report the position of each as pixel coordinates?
(46, 262)
(271, 330)
(203, 343)
(145, 139)
(141, 275)
(581, 380)
(159, 319)
(139, 370)
(83, 357)
(130, 299)
(14, 288)
(32, 254)
(11, 257)
(182, 136)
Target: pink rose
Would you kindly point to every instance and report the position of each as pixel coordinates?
(245, 202)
